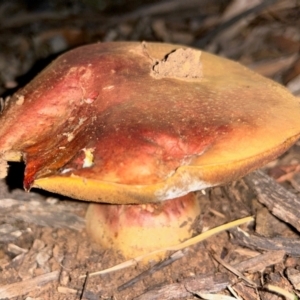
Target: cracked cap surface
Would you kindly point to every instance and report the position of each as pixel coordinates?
(99, 124)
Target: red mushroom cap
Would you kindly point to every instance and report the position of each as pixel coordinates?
(144, 122)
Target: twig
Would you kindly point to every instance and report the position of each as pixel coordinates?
(213, 33)
(232, 291)
(84, 285)
(24, 19)
(163, 7)
(232, 269)
(260, 262)
(281, 291)
(177, 255)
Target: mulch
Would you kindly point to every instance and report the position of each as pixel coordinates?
(44, 249)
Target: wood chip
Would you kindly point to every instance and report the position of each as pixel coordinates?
(159, 27)
(260, 262)
(65, 290)
(205, 283)
(246, 292)
(235, 8)
(67, 263)
(14, 249)
(20, 288)
(281, 202)
(43, 256)
(8, 202)
(271, 67)
(294, 277)
(29, 264)
(294, 85)
(293, 72)
(266, 224)
(290, 246)
(9, 233)
(41, 212)
(233, 270)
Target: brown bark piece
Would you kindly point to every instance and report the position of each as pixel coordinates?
(260, 262)
(65, 290)
(245, 292)
(269, 226)
(206, 284)
(8, 233)
(294, 277)
(293, 72)
(40, 212)
(271, 67)
(281, 202)
(290, 246)
(29, 264)
(26, 286)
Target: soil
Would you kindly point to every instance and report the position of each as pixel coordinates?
(180, 64)
(44, 248)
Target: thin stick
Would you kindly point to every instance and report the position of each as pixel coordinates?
(177, 255)
(212, 34)
(84, 285)
(232, 269)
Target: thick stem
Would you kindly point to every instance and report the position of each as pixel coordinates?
(138, 229)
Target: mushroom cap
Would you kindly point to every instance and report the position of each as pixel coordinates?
(128, 122)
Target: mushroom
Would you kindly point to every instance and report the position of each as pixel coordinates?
(144, 125)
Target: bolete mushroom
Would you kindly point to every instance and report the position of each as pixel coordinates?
(140, 123)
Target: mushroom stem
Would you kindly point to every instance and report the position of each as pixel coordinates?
(138, 229)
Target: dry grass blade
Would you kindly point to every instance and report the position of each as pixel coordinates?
(281, 291)
(215, 296)
(221, 27)
(209, 296)
(187, 243)
(233, 270)
(232, 291)
(177, 255)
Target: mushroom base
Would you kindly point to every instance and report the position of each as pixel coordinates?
(134, 230)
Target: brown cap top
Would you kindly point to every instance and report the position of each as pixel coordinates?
(143, 122)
